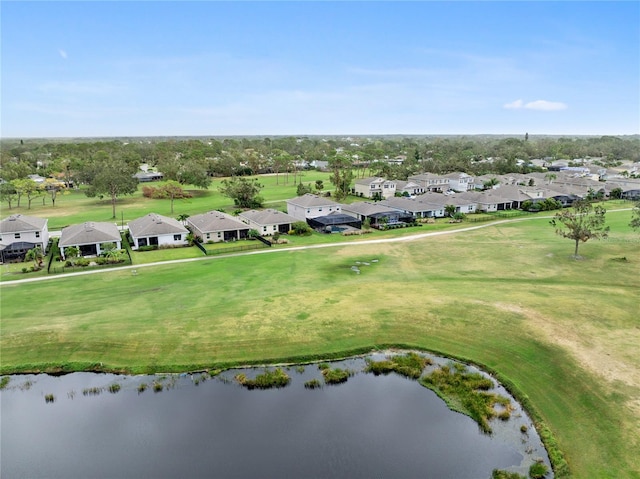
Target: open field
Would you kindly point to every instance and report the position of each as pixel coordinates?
(564, 333)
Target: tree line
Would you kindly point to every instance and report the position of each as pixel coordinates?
(107, 167)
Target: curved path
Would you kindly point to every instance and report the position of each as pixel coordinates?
(278, 250)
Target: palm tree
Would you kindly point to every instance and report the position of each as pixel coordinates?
(183, 218)
(35, 255)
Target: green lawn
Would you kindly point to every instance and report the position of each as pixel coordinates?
(563, 332)
(75, 207)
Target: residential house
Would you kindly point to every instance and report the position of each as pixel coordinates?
(460, 181)
(375, 213)
(487, 201)
(414, 207)
(89, 238)
(216, 226)
(268, 222)
(409, 188)
(311, 206)
(375, 187)
(431, 182)
(630, 188)
(20, 233)
(334, 222)
(157, 230)
(462, 204)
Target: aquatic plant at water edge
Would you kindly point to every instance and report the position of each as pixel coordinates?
(409, 365)
(276, 378)
(336, 375)
(465, 392)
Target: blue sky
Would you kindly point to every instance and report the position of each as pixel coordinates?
(73, 69)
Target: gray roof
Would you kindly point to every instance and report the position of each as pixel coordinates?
(215, 221)
(373, 179)
(309, 200)
(154, 224)
(21, 223)
(410, 204)
(268, 217)
(366, 208)
(89, 233)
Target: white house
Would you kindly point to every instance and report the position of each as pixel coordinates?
(89, 238)
(372, 187)
(311, 206)
(157, 230)
(460, 181)
(411, 188)
(431, 182)
(216, 226)
(268, 222)
(20, 233)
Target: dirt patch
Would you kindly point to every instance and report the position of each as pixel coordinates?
(596, 358)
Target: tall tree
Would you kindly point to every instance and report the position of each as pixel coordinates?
(52, 187)
(243, 192)
(172, 190)
(581, 223)
(8, 193)
(341, 175)
(112, 177)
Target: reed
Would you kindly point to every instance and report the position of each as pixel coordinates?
(276, 378)
(466, 393)
(409, 365)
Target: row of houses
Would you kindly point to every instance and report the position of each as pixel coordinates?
(20, 233)
(377, 187)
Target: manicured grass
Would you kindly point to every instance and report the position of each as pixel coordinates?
(563, 333)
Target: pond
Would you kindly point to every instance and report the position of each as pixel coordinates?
(196, 425)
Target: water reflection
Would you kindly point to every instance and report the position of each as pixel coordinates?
(385, 426)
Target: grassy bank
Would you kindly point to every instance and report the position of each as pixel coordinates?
(562, 333)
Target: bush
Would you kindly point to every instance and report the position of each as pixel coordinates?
(538, 470)
(301, 228)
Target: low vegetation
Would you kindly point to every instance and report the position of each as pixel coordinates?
(500, 474)
(334, 375)
(269, 379)
(409, 365)
(466, 392)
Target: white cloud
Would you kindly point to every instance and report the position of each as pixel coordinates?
(541, 105)
(545, 105)
(63, 53)
(514, 105)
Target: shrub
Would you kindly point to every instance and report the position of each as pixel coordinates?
(336, 376)
(500, 474)
(409, 365)
(267, 380)
(313, 384)
(538, 470)
(114, 388)
(301, 228)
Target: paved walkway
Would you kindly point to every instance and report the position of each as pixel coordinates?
(407, 238)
